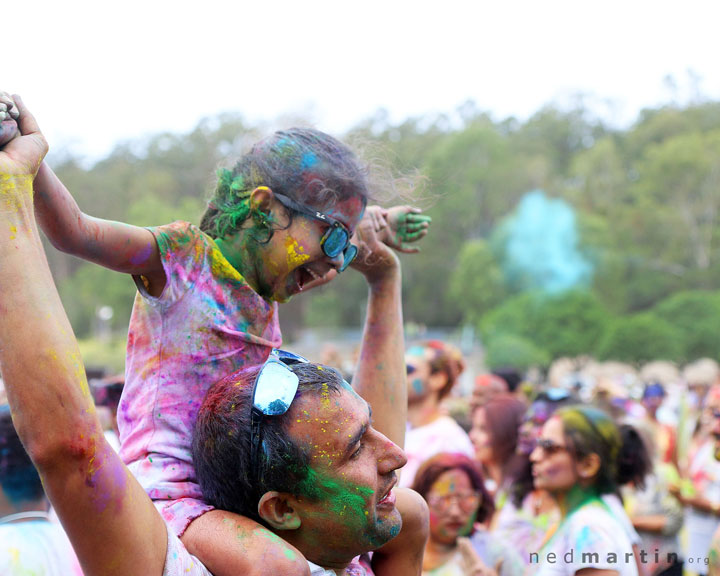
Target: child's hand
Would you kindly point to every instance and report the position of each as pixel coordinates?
(21, 154)
(375, 258)
(399, 226)
(8, 119)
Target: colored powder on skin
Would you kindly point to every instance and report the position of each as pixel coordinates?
(220, 266)
(325, 395)
(345, 499)
(8, 190)
(142, 255)
(277, 541)
(417, 385)
(295, 253)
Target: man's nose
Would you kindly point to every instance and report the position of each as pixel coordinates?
(392, 458)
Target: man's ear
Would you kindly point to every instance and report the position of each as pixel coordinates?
(589, 466)
(279, 510)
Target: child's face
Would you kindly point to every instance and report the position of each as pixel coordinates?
(294, 257)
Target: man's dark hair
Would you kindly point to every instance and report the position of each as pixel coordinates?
(221, 442)
(19, 480)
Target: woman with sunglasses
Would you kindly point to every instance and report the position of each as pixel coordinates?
(459, 503)
(279, 224)
(580, 457)
(528, 512)
(432, 370)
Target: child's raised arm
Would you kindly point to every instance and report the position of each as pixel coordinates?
(115, 245)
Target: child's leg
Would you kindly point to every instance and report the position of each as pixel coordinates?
(229, 544)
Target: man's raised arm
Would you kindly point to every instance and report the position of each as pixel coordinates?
(111, 522)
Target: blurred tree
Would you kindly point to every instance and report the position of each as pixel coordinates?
(696, 316)
(641, 338)
(476, 282)
(567, 324)
(511, 350)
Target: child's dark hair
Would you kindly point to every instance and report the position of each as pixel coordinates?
(304, 164)
(623, 455)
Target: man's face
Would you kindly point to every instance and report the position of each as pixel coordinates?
(346, 504)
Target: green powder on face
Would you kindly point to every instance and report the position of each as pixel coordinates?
(345, 499)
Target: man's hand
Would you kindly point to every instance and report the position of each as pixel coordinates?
(21, 155)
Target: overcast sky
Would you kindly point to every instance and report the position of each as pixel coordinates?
(98, 72)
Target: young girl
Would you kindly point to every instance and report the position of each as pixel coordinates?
(280, 223)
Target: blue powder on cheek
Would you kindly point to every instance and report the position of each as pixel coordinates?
(417, 385)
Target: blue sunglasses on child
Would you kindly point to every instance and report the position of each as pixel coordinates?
(336, 238)
(273, 391)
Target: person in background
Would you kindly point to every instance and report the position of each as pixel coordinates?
(460, 505)
(579, 457)
(432, 370)
(663, 434)
(655, 514)
(699, 488)
(494, 434)
(30, 541)
(106, 394)
(529, 512)
(487, 386)
(714, 552)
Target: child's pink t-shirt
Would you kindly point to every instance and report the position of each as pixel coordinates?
(207, 323)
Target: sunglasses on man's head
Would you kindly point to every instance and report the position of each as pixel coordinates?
(274, 390)
(336, 239)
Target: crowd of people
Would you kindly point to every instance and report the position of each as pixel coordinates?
(220, 453)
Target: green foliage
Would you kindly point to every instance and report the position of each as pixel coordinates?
(696, 316)
(92, 287)
(646, 201)
(641, 338)
(477, 281)
(568, 324)
(104, 354)
(511, 350)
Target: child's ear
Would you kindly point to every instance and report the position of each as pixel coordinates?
(261, 199)
(279, 510)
